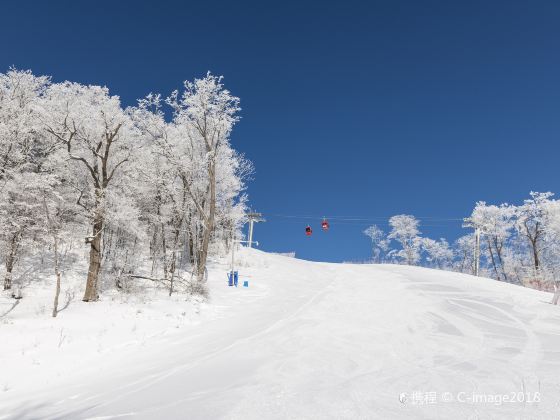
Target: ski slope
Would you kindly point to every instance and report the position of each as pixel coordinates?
(306, 340)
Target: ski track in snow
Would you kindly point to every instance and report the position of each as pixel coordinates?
(321, 341)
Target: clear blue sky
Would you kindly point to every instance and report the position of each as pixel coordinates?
(364, 109)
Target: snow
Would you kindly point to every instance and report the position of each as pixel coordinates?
(305, 340)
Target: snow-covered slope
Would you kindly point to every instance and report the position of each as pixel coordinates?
(304, 341)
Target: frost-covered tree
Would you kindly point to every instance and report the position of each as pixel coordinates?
(438, 253)
(496, 224)
(532, 220)
(23, 153)
(20, 211)
(518, 243)
(204, 116)
(21, 141)
(464, 248)
(379, 242)
(404, 229)
(551, 249)
(99, 138)
(551, 252)
(179, 180)
(57, 218)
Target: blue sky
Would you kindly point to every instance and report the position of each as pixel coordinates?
(359, 110)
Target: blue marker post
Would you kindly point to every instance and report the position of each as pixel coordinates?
(233, 276)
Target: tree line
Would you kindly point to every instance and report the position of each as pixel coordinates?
(159, 179)
(518, 244)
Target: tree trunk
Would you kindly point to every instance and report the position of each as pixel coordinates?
(493, 259)
(57, 273)
(191, 249)
(173, 262)
(154, 241)
(556, 296)
(202, 256)
(8, 277)
(91, 293)
(209, 226)
(54, 234)
(499, 246)
(164, 251)
(10, 261)
(535, 255)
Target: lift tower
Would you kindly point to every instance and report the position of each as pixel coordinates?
(253, 218)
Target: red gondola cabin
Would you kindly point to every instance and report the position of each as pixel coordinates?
(308, 231)
(325, 225)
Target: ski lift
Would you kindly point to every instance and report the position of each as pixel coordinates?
(325, 224)
(308, 231)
